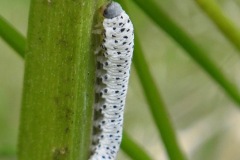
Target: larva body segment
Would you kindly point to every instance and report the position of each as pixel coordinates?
(113, 72)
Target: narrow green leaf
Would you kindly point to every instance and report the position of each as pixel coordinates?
(228, 28)
(187, 43)
(156, 104)
(132, 149)
(7, 151)
(12, 37)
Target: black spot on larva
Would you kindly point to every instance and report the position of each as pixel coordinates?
(103, 122)
(119, 65)
(116, 91)
(114, 28)
(118, 53)
(105, 90)
(124, 43)
(126, 49)
(106, 63)
(121, 17)
(125, 37)
(104, 106)
(128, 21)
(116, 41)
(128, 30)
(117, 78)
(113, 120)
(122, 30)
(120, 24)
(113, 36)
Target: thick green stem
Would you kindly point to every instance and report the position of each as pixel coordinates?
(12, 37)
(221, 21)
(58, 95)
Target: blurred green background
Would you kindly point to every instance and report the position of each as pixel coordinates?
(206, 120)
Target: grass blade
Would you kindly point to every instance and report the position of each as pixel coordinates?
(187, 43)
(156, 105)
(132, 149)
(225, 25)
(12, 37)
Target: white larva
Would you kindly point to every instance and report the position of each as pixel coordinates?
(114, 61)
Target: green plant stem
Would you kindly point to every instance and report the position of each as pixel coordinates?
(212, 9)
(12, 37)
(132, 149)
(58, 94)
(187, 43)
(157, 106)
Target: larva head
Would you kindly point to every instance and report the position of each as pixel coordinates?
(112, 10)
